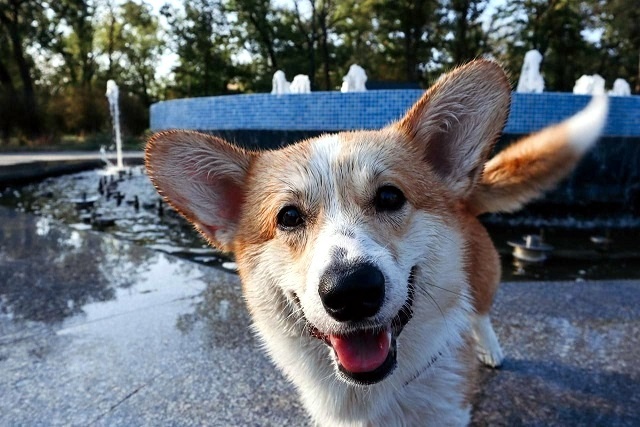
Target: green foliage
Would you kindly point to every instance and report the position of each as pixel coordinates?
(23, 23)
(129, 37)
(200, 35)
(76, 47)
(465, 38)
(77, 110)
(555, 29)
(620, 48)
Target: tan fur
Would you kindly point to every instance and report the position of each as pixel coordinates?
(450, 101)
(176, 159)
(524, 171)
(483, 263)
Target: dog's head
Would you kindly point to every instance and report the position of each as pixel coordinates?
(342, 239)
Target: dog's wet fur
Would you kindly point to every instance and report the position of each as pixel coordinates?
(366, 271)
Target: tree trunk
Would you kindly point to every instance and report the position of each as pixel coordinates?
(9, 100)
(311, 39)
(5, 78)
(34, 126)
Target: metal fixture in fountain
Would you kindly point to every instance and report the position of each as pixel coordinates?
(531, 249)
(602, 242)
(84, 202)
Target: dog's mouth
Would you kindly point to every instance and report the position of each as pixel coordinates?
(367, 355)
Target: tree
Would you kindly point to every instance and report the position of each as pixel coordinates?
(464, 39)
(9, 97)
(620, 45)
(129, 37)
(407, 31)
(275, 38)
(259, 22)
(330, 15)
(555, 29)
(201, 38)
(23, 23)
(80, 106)
(76, 46)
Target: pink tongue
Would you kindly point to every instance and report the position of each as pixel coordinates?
(361, 352)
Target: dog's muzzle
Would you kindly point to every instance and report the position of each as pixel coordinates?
(364, 355)
(352, 292)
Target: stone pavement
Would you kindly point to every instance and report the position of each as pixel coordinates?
(96, 331)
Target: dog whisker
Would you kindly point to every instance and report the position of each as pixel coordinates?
(426, 293)
(458, 294)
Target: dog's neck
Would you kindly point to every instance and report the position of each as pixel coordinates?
(425, 368)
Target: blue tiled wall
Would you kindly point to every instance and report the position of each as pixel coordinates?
(333, 111)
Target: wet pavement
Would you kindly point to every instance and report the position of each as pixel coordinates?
(100, 331)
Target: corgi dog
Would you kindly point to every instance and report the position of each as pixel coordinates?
(367, 274)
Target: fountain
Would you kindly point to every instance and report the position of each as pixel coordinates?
(355, 80)
(589, 85)
(112, 95)
(531, 80)
(620, 88)
(280, 85)
(300, 84)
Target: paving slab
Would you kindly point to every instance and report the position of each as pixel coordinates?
(99, 331)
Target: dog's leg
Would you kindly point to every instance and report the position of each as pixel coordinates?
(484, 276)
(487, 345)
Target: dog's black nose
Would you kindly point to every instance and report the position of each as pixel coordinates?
(352, 292)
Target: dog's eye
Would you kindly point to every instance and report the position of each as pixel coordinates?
(389, 198)
(290, 217)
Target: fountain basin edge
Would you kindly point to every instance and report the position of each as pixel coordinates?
(37, 166)
(335, 111)
(608, 174)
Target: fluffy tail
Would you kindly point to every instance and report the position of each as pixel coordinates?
(527, 168)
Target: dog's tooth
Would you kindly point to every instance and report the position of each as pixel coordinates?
(389, 337)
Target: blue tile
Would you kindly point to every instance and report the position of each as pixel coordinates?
(331, 111)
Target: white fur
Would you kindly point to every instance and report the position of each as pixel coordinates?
(414, 394)
(586, 126)
(489, 350)
(359, 247)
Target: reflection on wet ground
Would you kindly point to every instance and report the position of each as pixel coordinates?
(140, 216)
(574, 257)
(96, 330)
(99, 330)
(123, 205)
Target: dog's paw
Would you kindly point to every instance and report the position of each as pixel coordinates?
(487, 346)
(490, 357)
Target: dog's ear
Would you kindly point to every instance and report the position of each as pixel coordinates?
(203, 178)
(457, 121)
